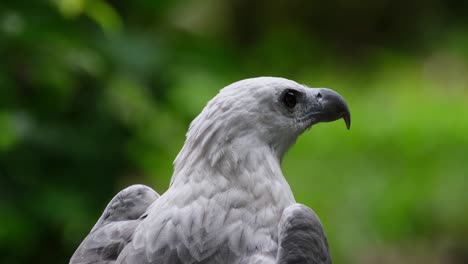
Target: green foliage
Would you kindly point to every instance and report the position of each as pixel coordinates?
(97, 95)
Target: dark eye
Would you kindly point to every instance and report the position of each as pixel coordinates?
(289, 99)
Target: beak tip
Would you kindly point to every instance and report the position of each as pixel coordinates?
(347, 120)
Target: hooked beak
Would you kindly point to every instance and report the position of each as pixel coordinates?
(329, 106)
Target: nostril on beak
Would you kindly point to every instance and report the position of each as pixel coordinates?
(319, 95)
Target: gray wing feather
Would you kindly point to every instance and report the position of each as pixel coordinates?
(115, 227)
(301, 237)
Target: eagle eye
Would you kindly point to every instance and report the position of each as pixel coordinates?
(290, 98)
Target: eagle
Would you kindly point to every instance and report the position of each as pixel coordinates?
(228, 200)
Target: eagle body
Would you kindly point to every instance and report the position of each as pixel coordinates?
(228, 201)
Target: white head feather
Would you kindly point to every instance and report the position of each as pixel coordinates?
(244, 116)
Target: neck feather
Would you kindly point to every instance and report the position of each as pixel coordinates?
(230, 152)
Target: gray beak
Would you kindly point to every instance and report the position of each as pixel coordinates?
(330, 107)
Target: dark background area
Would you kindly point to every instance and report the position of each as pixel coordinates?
(96, 95)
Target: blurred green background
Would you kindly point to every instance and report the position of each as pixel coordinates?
(96, 95)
